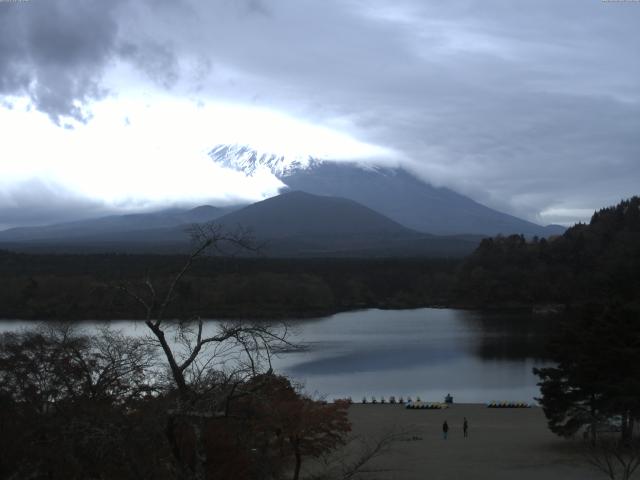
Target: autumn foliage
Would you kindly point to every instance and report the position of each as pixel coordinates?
(269, 430)
(74, 407)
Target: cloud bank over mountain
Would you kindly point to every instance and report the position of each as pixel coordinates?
(531, 108)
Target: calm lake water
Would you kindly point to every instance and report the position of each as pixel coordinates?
(477, 357)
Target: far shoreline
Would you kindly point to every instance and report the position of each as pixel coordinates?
(537, 310)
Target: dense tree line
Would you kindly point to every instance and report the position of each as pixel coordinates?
(85, 286)
(598, 261)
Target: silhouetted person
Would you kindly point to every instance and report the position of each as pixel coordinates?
(445, 429)
(465, 427)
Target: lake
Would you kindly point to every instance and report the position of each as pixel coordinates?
(476, 357)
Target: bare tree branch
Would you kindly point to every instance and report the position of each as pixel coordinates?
(357, 456)
(617, 459)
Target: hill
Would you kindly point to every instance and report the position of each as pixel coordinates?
(294, 224)
(595, 262)
(111, 227)
(301, 224)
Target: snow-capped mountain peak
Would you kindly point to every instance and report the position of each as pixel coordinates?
(246, 159)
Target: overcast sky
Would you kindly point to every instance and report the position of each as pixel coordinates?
(531, 107)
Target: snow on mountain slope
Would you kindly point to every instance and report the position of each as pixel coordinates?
(246, 159)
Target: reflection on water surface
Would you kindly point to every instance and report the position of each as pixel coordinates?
(477, 357)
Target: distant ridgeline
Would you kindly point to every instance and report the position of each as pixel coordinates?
(596, 262)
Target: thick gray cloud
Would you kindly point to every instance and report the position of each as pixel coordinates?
(530, 107)
(55, 52)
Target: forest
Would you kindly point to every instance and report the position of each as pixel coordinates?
(69, 287)
(595, 262)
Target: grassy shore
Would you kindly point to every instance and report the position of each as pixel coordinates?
(502, 444)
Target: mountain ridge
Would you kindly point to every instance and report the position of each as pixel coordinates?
(294, 224)
(113, 224)
(394, 192)
(318, 225)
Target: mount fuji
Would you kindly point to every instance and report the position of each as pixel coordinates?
(327, 208)
(393, 192)
(248, 160)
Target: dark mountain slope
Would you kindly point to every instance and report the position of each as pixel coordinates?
(293, 224)
(113, 226)
(302, 214)
(301, 224)
(415, 204)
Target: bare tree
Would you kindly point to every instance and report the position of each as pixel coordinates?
(206, 367)
(69, 403)
(618, 460)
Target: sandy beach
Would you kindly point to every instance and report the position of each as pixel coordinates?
(502, 444)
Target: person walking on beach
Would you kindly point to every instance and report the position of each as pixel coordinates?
(445, 429)
(465, 428)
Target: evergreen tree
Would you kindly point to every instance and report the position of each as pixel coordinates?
(597, 377)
